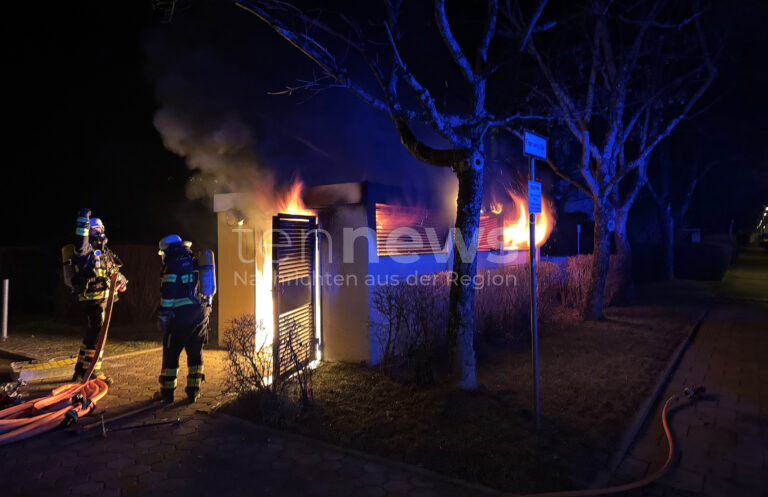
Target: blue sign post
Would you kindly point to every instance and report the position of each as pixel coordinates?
(534, 147)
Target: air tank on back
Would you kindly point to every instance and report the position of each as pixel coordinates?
(206, 270)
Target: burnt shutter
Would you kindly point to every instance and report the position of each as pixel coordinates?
(427, 233)
(293, 280)
(489, 238)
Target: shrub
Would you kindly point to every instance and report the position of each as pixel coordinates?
(702, 261)
(573, 285)
(411, 323)
(250, 374)
(503, 312)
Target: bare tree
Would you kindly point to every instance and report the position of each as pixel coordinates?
(462, 123)
(599, 87)
(673, 198)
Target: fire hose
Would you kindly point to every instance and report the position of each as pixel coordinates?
(689, 393)
(65, 404)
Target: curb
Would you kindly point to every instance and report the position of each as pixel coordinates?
(13, 356)
(129, 354)
(414, 470)
(604, 477)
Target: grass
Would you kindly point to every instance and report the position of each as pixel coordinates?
(594, 377)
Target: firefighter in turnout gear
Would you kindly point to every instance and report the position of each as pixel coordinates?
(183, 315)
(92, 265)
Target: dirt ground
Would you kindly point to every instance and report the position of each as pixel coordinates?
(594, 377)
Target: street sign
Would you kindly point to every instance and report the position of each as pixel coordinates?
(534, 197)
(534, 146)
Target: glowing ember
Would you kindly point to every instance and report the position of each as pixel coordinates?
(516, 232)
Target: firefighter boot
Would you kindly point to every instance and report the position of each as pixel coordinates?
(168, 384)
(195, 378)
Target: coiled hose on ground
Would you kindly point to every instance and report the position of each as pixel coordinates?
(690, 393)
(65, 404)
(68, 402)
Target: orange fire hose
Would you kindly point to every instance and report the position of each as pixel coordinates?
(689, 393)
(67, 402)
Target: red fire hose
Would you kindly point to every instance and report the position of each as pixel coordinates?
(64, 404)
(690, 393)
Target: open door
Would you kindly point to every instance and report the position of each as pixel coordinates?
(293, 283)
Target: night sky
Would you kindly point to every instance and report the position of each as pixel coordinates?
(84, 83)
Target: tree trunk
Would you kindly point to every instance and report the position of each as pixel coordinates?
(626, 288)
(668, 228)
(461, 328)
(593, 302)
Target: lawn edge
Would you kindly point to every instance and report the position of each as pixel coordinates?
(418, 470)
(604, 477)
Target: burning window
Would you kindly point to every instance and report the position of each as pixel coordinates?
(405, 230)
(490, 232)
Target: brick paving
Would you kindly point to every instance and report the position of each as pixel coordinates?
(722, 440)
(44, 341)
(208, 454)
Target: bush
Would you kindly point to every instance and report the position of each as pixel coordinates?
(702, 261)
(412, 319)
(503, 312)
(574, 283)
(411, 324)
(250, 374)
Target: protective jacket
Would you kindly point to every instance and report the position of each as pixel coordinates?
(180, 307)
(93, 268)
(184, 319)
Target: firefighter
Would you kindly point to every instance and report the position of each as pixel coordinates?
(183, 317)
(93, 263)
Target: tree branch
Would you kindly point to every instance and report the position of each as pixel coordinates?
(488, 32)
(425, 153)
(532, 24)
(450, 42)
(320, 56)
(443, 124)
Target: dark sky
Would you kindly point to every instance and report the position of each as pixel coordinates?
(84, 81)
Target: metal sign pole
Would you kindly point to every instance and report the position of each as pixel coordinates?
(534, 310)
(5, 309)
(578, 239)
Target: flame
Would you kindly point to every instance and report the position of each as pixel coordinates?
(289, 203)
(516, 233)
(496, 206)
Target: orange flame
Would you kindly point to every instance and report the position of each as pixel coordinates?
(516, 232)
(496, 206)
(292, 202)
(289, 203)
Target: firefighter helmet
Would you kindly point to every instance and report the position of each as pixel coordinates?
(96, 233)
(167, 241)
(95, 225)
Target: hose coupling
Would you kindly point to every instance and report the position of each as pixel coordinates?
(693, 391)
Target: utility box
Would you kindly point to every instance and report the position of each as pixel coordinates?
(367, 234)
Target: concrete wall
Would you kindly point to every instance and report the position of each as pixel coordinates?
(343, 289)
(235, 276)
(234, 260)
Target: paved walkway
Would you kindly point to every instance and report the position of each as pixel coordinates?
(723, 439)
(208, 454)
(44, 340)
